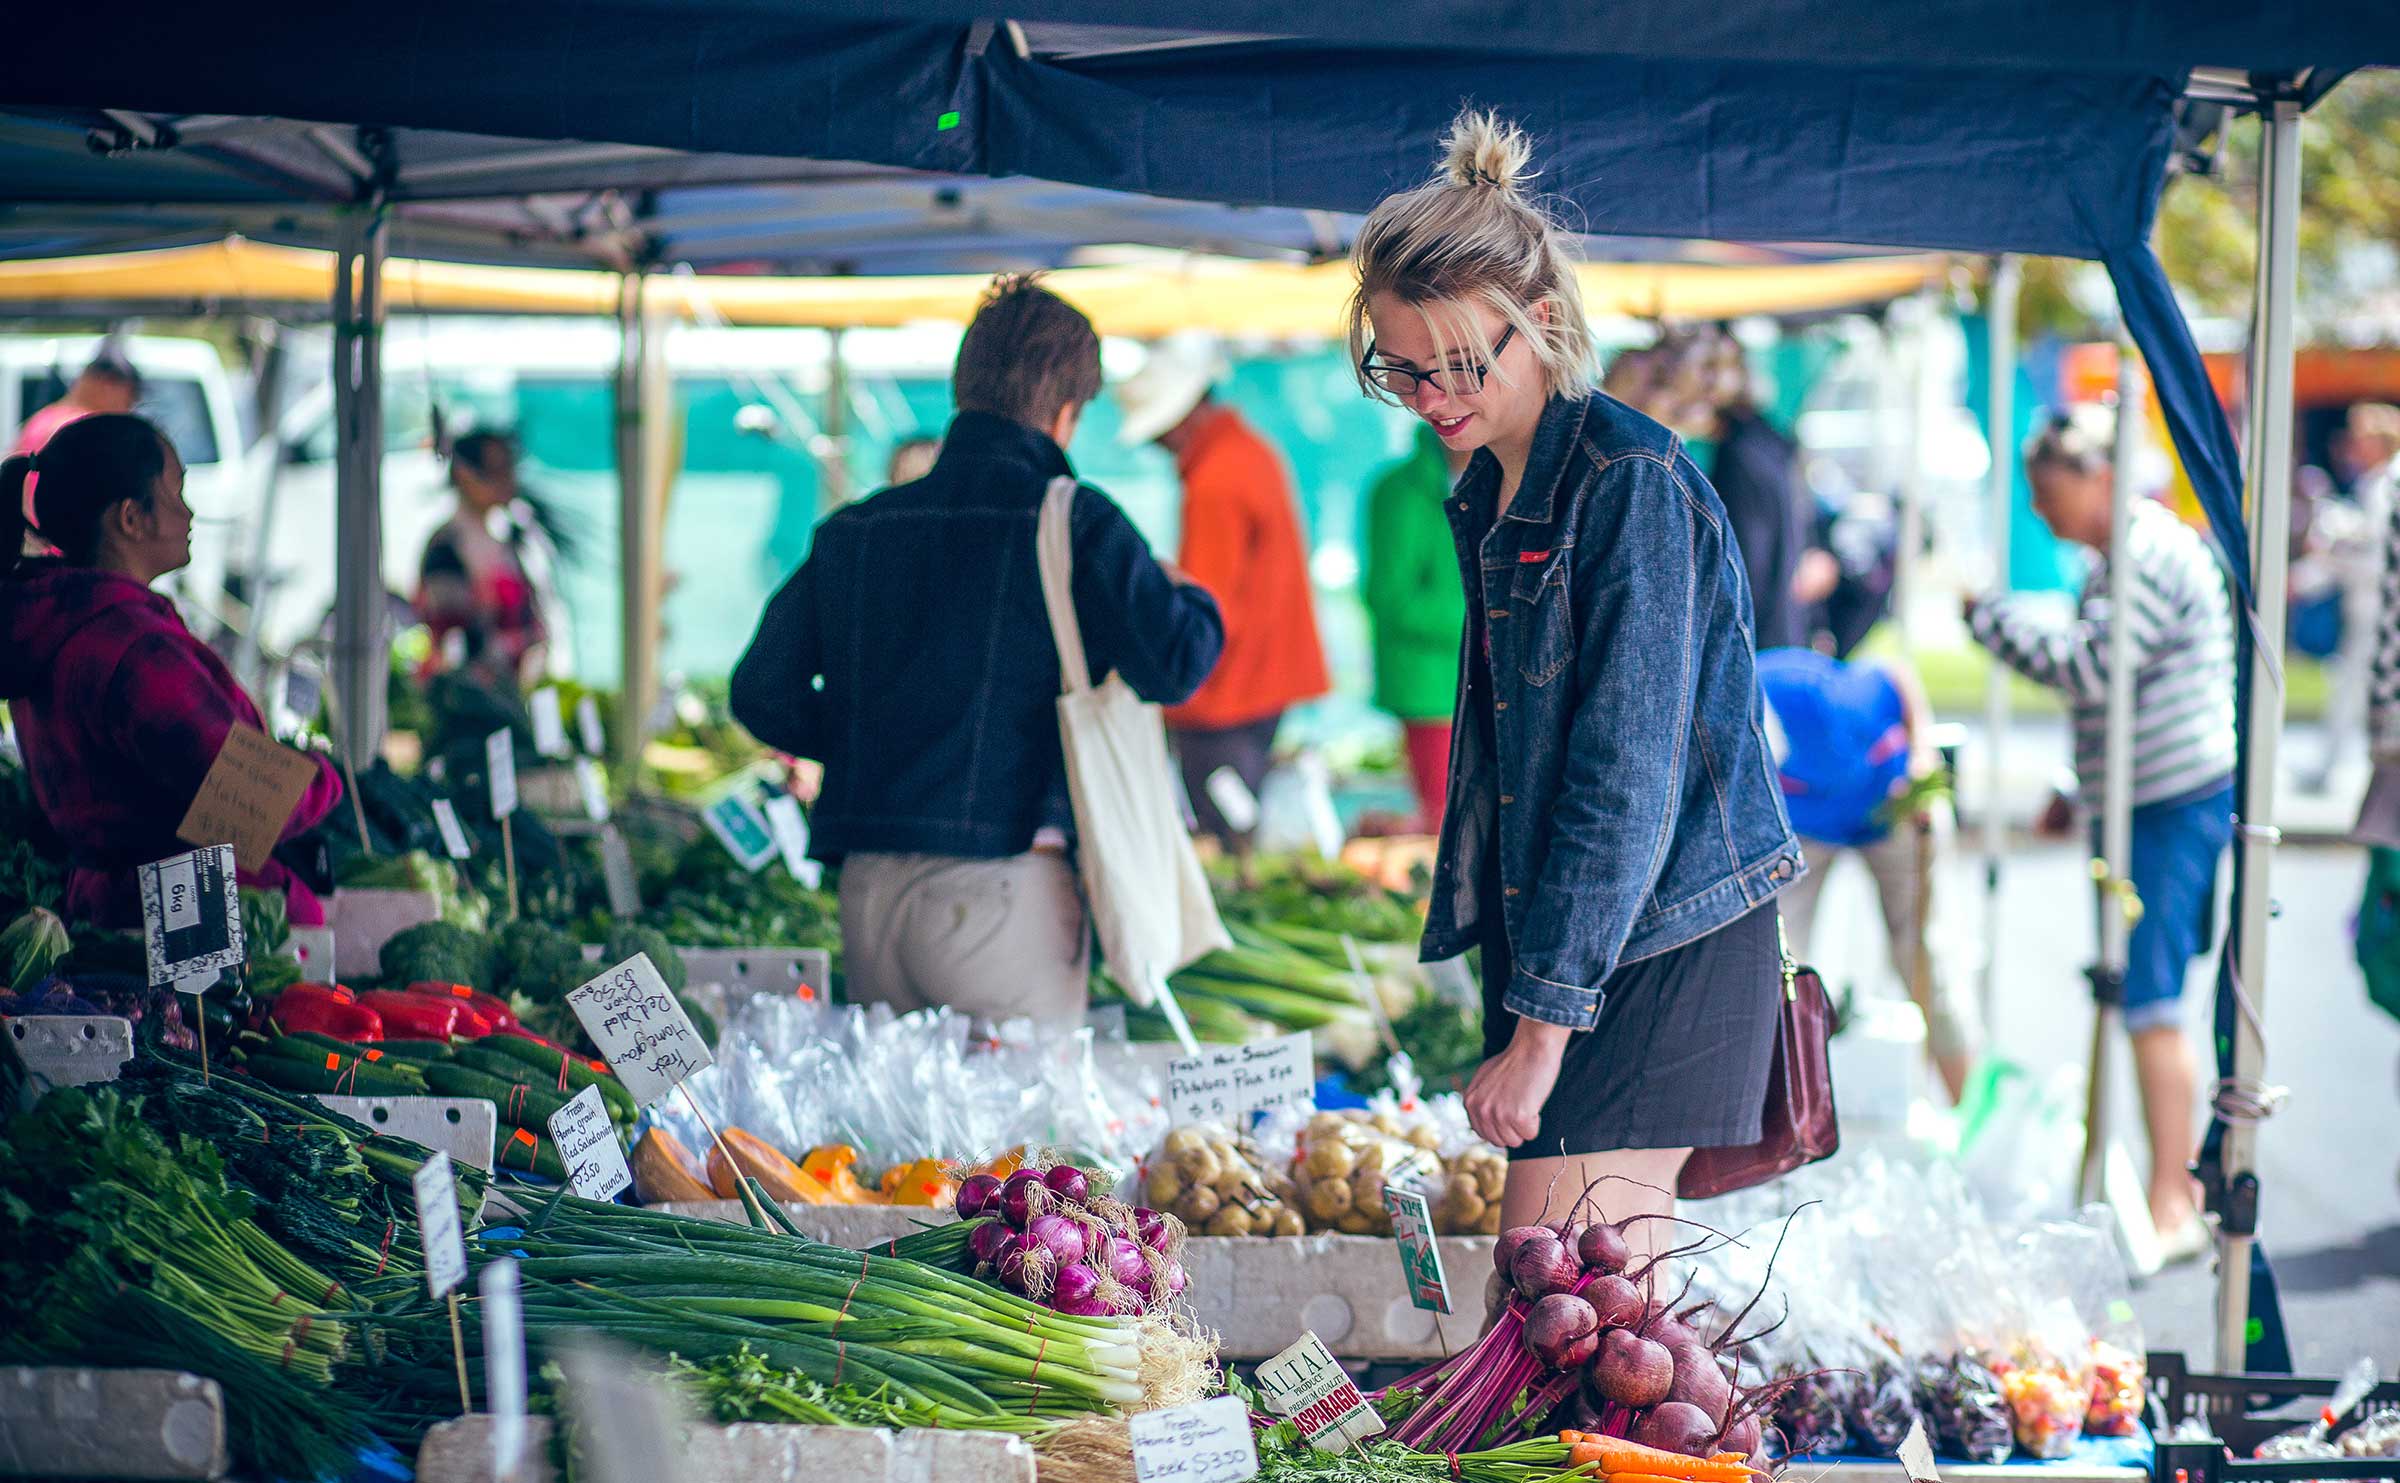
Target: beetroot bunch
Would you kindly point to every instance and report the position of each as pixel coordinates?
(1583, 1340)
(1045, 1234)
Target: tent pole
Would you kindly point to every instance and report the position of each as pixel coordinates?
(1914, 368)
(834, 463)
(361, 647)
(2000, 313)
(641, 419)
(2255, 835)
(2114, 869)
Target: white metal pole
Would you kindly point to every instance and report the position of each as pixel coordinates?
(2256, 836)
(1916, 367)
(361, 647)
(835, 463)
(2114, 869)
(2000, 482)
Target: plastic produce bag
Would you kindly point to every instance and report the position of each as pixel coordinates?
(2085, 1254)
(2315, 1439)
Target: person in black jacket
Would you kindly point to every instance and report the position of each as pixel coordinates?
(911, 655)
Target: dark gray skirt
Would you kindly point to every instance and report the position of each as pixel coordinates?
(1681, 1053)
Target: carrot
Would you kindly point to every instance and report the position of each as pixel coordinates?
(1636, 1463)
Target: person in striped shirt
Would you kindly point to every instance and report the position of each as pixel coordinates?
(2183, 755)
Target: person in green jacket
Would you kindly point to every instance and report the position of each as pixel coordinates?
(1417, 609)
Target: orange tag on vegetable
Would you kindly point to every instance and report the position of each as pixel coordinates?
(522, 1137)
(332, 1061)
(462, 991)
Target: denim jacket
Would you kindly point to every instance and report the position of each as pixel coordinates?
(1633, 803)
(911, 653)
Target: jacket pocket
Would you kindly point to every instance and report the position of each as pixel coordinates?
(1545, 621)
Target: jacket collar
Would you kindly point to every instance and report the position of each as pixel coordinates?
(1546, 467)
(984, 437)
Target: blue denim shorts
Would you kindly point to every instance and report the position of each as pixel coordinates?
(2176, 847)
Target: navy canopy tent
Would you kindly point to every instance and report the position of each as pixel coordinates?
(2033, 126)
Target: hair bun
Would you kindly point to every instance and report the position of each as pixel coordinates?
(1480, 149)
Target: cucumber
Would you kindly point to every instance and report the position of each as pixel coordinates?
(543, 1063)
(538, 1157)
(304, 1069)
(520, 1102)
(419, 1051)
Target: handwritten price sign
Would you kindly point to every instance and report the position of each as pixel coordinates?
(1226, 1084)
(1207, 1442)
(641, 1031)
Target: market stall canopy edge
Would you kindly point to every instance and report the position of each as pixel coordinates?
(1230, 297)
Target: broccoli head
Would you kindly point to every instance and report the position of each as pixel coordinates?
(538, 962)
(441, 952)
(627, 938)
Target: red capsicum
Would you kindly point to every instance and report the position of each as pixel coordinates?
(422, 1016)
(490, 1008)
(327, 1009)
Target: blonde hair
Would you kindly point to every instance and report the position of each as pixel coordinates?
(1472, 237)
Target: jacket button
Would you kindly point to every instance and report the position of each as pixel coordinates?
(1499, 705)
(1508, 798)
(1508, 890)
(1495, 612)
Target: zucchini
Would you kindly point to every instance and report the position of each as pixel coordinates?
(419, 1051)
(527, 1152)
(542, 1062)
(520, 1102)
(308, 1068)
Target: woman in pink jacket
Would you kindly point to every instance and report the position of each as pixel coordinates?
(119, 710)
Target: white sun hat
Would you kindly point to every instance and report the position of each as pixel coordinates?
(1178, 372)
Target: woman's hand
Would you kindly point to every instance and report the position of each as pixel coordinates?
(1504, 1101)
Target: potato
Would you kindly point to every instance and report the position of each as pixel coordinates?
(1325, 1125)
(1491, 1180)
(1464, 1209)
(1329, 1158)
(1166, 1186)
(1387, 1124)
(1366, 1193)
(1287, 1222)
(1198, 1204)
(1491, 1219)
(1238, 1182)
(1232, 1220)
(1184, 1138)
(1368, 1160)
(1328, 1199)
(1199, 1165)
(1424, 1137)
(1358, 1223)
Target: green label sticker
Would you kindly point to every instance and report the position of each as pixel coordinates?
(946, 122)
(2120, 1311)
(2254, 1331)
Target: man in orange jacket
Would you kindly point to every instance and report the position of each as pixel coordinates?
(1241, 542)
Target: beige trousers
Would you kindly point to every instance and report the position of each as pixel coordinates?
(995, 939)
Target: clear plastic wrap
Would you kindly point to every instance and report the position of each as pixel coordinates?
(2085, 1254)
(2316, 1438)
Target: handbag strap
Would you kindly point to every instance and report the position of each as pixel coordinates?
(1054, 551)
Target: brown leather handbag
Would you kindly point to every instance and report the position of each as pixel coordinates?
(1799, 1126)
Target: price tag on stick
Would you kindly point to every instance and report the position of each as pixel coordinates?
(191, 915)
(1318, 1395)
(454, 836)
(595, 790)
(436, 1190)
(500, 768)
(587, 721)
(549, 725)
(1420, 1254)
(587, 1145)
(248, 796)
(616, 872)
(1205, 1442)
(445, 1253)
(640, 1030)
(504, 1364)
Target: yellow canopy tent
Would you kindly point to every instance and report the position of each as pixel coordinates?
(1230, 296)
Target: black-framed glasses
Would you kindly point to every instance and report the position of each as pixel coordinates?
(1402, 381)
